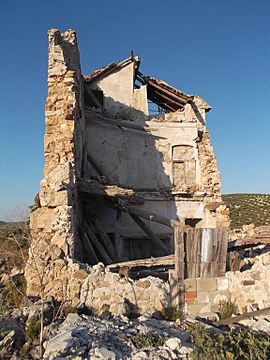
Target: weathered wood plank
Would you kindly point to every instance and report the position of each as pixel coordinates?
(103, 253)
(102, 190)
(105, 238)
(179, 263)
(158, 261)
(197, 239)
(91, 255)
(119, 245)
(238, 318)
(248, 242)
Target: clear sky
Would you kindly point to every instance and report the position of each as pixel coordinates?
(217, 49)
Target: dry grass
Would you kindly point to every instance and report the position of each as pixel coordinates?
(14, 244)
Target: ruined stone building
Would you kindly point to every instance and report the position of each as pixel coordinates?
(117, 177)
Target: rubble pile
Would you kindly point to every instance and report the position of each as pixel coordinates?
(85, 337)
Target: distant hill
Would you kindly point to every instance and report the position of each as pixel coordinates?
(2, 222)
(248, 208)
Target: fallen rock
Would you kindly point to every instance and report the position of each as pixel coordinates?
(174, 344)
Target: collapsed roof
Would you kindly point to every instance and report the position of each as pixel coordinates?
(162, 94)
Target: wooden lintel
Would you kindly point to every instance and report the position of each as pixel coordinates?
(146, 229)
(158, 261)
(103, 190)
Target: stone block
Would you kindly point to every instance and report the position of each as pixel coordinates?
(222, 283)
(248, 282)
(206, 284)
(190, 285)
(198, 308)
(212, 316)
(202, 297)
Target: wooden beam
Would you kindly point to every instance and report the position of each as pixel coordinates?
(151, 216)
(94, 117)
(88, 247)
(105, 238)
(103, 253)
(238, 318)
(119, 245)
(95, 100)
(102, 190)
(146, 229)
(179, 253)
(96, 167)
(150, 262)
(248, 242)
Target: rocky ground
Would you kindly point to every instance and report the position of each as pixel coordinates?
(86, 337)
(68, 335)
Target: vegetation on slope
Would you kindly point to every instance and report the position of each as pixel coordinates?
(248, 208)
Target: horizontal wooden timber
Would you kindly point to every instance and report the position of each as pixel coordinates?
(158, 261)
(93, 116)
(102, 190)
(238, 318)
(248, 242)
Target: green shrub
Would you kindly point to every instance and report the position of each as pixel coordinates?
(14, 291)
(141, 341)
(70, 310)
(226, 309)
(239, 344)
(172, 314)
(33, 331)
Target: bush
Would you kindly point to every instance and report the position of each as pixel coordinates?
(33, 331)
(226, 309)
(70, 310)
(172, 314)
(238, 344)
(141, 341)
(14, 291)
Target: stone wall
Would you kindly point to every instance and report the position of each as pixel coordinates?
(250, 289)
(53, 224)
(202, 295)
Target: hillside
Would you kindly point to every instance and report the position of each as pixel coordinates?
(248, 208)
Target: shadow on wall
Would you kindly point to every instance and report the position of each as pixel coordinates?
(131, 159)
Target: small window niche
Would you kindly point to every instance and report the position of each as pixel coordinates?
(183, 166)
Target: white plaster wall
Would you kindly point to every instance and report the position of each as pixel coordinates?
(170, 209)
(136, 159)
(140, 99)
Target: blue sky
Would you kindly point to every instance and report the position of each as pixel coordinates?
(219, 50)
